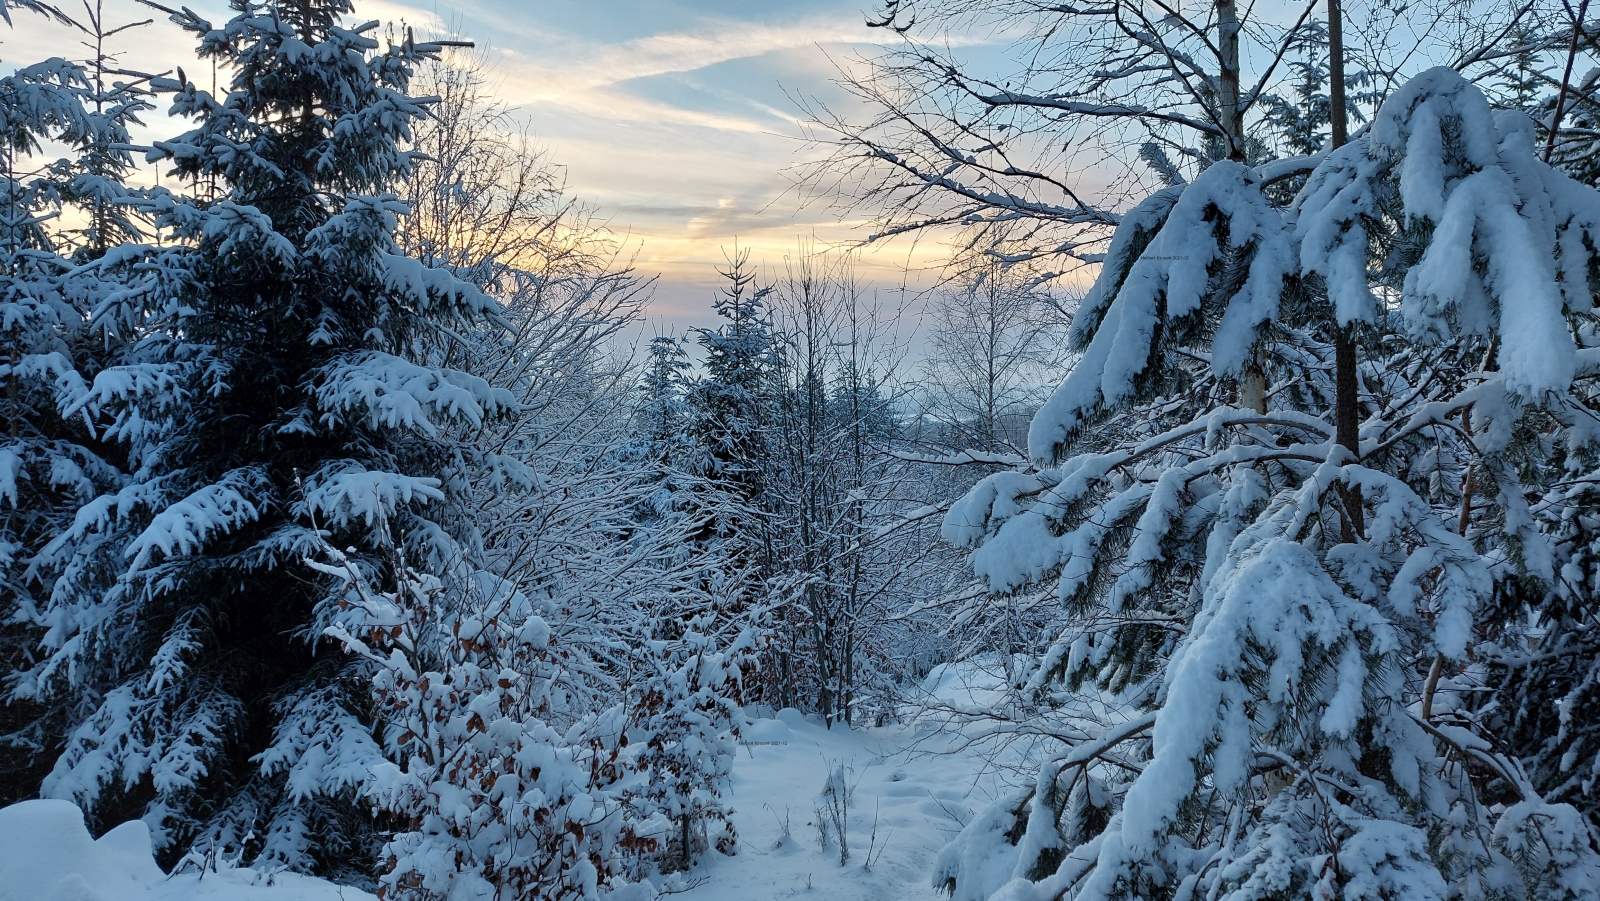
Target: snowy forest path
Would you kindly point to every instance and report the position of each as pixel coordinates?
(910, 781)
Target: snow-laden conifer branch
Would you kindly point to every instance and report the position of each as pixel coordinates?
(1287, 661)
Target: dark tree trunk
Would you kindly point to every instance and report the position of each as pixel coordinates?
(1346, 404)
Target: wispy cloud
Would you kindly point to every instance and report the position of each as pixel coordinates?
(672, 116)
(684, 132)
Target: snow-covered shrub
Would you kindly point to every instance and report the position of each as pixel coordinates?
(507, 778)
(1287, 635)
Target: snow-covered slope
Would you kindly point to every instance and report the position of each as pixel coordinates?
(46, 854)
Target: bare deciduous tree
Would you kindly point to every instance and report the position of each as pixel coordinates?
(991, 358)
(1035, 152)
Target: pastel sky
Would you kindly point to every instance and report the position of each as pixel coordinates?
(677, 118)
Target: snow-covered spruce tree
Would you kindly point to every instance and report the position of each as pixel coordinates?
(663, 398)
(663, 446)
(1547, 666)
(1282, 645)
(687, 715)
(730, 419)
(94, 181)
(50, 464)
(275, 371)
(699, 448)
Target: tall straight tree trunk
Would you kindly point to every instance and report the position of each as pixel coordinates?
(1229, 110)
(1253, 381)
(1346, 409)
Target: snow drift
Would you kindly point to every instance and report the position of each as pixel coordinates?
(47, 854)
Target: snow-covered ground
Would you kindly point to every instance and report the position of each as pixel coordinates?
(912, 788)
(916, 784)
(905, 807)
(46, 854)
